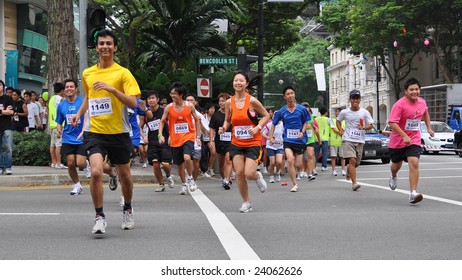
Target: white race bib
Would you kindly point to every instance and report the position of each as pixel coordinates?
(181, 128)
(69, 119)
(355, 134)
(242, 132)
(293, 133)
(225, 137)
(100, 106)
(154, 125)
(309, 132)
(412, 125)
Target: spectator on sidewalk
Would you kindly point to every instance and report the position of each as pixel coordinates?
(55, 142)
(33, 116)
(6, 134)
(20, 122)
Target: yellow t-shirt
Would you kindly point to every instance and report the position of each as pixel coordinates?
(107, 114)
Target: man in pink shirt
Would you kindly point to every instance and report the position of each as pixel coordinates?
(405, 119)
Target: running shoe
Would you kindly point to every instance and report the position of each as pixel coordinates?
(343, 173)
(8, 171)
(246, 207)
(192, 185)
(315, 173)
(311, 177)
(294, 188)
(160, 188)
(355, 187)
(261, 184)
(271, 179)
(334, 173)
(298, 176)
(205, 175)
(76, 190)
(393, 183)
(226, 184)
(113, 183)
(184, 190)
(323, 168)
(87, 170)
(210, 172)
(145, 164)
(127, 219)
(60, 166)
(170, 181)
(122, 201)
(100, 225)
(278, 177)
(415, 197)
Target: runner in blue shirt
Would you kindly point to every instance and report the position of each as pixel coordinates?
(295, 119)
(72, 147)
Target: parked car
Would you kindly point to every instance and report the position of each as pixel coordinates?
(376, 146)
(443, 141)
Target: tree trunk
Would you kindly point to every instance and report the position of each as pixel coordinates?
(62, 59)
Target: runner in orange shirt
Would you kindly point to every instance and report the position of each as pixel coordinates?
(183, 133)
(245, 151)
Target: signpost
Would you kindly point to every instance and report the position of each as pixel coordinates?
(217, 60)
(203, 88)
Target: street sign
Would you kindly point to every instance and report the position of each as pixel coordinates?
(217, 60)
(203, 88)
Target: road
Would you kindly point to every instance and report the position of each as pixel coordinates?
(325, 220)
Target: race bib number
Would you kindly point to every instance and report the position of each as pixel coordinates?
(154, 125)
(69, 119)
(181, 128)
(100, 106)
(412, 125)
(355, 134)
(293, 133)
(225, 137)
(242, 132)
(309, 132)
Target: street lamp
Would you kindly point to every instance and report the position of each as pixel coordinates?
(377, 78)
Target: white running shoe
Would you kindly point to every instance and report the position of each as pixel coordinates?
(298, 176)
(343, 173)
(170, 181)
(393, 182)
(87, 170)
(278, 177)
(265, 170)
(315, 173)
(210, 172)
(145, 164)
(160, 188)
(271, 179)
(261, 184)
(192, 185)
(334, 173)
(294, 188)
(323, 168)
(61, 166)
(206, 175)
(246, 207)
(233, 175)
(415, 197)
(127, 219)
(77, 189)
(184, 189)
(100, 225)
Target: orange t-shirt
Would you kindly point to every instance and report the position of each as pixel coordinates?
(242, 120)
(180, 125)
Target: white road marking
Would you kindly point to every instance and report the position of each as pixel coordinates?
(440, 199)
(234, 244)
(406, 178)
(29, 214)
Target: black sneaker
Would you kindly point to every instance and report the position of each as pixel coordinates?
(113, 183)
(226, 185)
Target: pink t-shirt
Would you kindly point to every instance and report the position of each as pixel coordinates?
(408, 116)
(263, 139)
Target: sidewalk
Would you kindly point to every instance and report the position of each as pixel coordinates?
(26, 176)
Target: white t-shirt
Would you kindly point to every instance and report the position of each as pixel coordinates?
(197, 147)
(278, 131)
(33, 110)
(205, 122)
(352, 133)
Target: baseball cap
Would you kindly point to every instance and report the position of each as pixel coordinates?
(355, 93)
(305, 104)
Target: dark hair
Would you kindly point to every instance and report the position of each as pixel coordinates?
(1, 82)
(240, 72)
(104, 33)
(208, 106)
(152, 92)
(28, 93)
(190, 94)
(411, 81)
(224, 95)
(322, 110)
(70, 81)
(57, 87)
(179, 88)
(287, 88)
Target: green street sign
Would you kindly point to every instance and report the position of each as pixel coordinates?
(217, 60)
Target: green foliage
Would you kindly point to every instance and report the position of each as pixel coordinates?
(31, 149)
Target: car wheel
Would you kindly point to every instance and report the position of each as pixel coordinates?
(385, 160)
(424, 151)
(436, 152)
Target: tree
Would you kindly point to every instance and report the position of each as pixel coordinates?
(372, 27)
(295, 67)
(62, 59)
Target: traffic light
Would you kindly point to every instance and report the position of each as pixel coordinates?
(244, 61)
(96, 21)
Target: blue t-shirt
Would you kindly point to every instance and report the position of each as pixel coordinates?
(64, 113)
(135, 132)
(293, 123)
